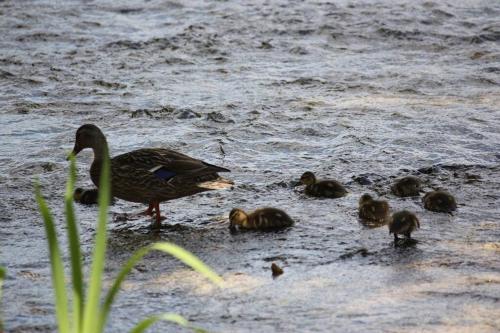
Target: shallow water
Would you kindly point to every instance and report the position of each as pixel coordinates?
(360, 91)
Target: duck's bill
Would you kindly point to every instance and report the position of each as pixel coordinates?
(75, 152)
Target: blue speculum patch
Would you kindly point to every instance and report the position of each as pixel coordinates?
(164, 173)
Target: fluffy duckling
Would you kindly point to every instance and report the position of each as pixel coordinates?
(439, 201)
(261, 219)
(373, 210)
(86, 197)
(404, 223)
(322, 188)
(408, 186)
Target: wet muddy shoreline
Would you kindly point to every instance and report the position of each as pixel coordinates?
(363, 92)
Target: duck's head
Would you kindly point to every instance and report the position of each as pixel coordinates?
(237, 217)
(88, 136)
(365, 198)
(308, 178)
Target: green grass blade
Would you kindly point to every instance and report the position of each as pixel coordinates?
(74, 249)
(56, 265)
(110, 296)
(92, 307)
(171, 317)
(2, 277)
(176, 251)
(189, 259)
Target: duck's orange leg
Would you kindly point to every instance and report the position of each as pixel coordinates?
(158, 215)
(149, 211)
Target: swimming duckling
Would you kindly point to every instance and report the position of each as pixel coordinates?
(404, 223)
(262, 219)
(439, 201)
(86, 197)
(408, 186)
(373, 210)
(322, 188)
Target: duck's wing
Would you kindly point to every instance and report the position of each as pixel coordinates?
(166, 164)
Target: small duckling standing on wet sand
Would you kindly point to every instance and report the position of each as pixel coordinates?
(373, 210)
(404, 223)
(408, 186)
(439, 201)
(261, 219)
(322, 188)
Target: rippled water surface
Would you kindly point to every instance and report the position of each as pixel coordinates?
(359, 91)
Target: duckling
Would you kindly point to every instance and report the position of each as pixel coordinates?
(322, 188)
(404, 223)
(86, 197)
(439, 201)
(408, 186)
(373, 210)
(262, 219)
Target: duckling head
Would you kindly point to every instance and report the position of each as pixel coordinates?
(308, 178)
(365, 198)
(77, 195)
(237, 217)
(89, 136)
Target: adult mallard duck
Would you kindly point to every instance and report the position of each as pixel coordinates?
(439, 201)
(404, 223)
(260, 219)
(149, 175)
(322, 188)
(408, 186)
(373, 210)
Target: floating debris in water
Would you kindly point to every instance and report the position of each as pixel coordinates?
(277, 271)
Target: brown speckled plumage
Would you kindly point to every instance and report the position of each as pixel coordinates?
(86, 197)
(260, 219)
(408, 186)
(132, 175)
(439, 201)
(322, 188)
(404, 223)
(373, 210)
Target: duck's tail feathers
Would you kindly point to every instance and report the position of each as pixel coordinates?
(217, 184)
(216, 168)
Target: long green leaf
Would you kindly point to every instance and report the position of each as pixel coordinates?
(91, 314)
(74, 249)
(172, 249)
(56, 265)
(189, 259)
(2, 277)
(171, 317)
